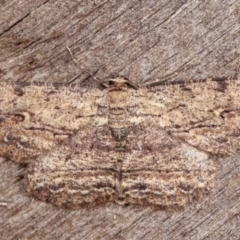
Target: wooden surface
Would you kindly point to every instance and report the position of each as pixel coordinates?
(145, 41)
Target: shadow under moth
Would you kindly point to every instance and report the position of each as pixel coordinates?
(151, 146)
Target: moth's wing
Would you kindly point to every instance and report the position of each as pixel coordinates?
(209, 118)
(80, 172)
(175, 129)
(162, 171)
(206, 114)
(40, 118)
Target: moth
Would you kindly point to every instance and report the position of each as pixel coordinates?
(155, 146)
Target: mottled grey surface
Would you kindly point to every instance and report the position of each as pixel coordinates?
(143, 41)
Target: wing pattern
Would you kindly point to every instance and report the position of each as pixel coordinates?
(153, 146)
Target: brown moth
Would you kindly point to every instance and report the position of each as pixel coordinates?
(149, 146)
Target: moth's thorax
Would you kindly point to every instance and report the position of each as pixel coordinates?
(118, 101)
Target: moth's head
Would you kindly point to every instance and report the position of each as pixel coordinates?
(119, 82)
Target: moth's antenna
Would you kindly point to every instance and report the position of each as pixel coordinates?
(75, 60)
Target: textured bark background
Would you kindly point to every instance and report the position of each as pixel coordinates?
(147, 42)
